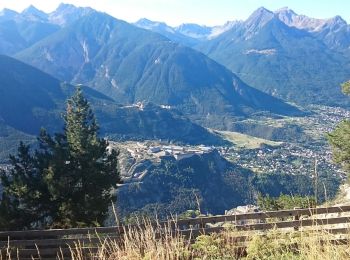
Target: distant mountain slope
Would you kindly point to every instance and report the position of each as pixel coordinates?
(132, 65)
(31, 99)
(167, 31)
(280, 60)
(188, 34)
(11, 40)
(66, 14)
(21, 30)
(334, 32)
(28, 96)
(148, 121)
(284, 54)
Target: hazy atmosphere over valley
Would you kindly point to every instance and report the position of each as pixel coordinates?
(116, 111)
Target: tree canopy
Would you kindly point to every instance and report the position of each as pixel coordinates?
(285, 202)
(339, 138)
(68, 181)
(346, 87)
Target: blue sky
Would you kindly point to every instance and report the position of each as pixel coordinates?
(207, 12)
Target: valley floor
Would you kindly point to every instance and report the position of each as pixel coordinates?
(309, 156)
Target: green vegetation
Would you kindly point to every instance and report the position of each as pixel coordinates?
(246, 141)
(31, 99)
(346, 87)
(165, 73)
(300, 68)
(9, 139)
(159, 71)
(285, 202)
(154, 122)
(67, 181)
(211, 184)
(145, 243)
(207, 183)
(340, 138)
(276, 133)
(277, 184)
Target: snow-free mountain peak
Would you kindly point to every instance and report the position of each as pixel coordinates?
(153, 25)
(286, 14)
(32, 13)
(287, 55)
(259, 18)
(144, 22)
(67, 13)
(7, 14)
(194, 30)
(304, 22)
(63, 7)
(285, 10)
(336, 21)
(292, 19)
(99, 50)
(188, 34)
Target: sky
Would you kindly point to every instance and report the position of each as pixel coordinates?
(204, 12)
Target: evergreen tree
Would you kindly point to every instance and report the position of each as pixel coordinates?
(92, 170)
(24, 192)
(69, 180)
(285, 202)
(339, 138)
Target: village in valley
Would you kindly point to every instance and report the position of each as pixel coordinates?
(295, 158)
(264, 156)
(137, 158)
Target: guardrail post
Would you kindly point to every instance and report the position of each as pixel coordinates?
(296, 218)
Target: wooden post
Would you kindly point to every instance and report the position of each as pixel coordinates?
(296, 217)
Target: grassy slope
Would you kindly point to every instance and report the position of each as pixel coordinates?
(245, 141)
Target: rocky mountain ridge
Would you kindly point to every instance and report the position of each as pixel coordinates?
(107, 54)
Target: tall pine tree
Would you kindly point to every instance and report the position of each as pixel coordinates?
(69, 181)
(92, 170)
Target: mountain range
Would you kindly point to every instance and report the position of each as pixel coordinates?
(284, 61)
(334, 32)
(291, 56)
(20, 30)
(31, 99)
(131, 65)
(150, 81)
(182, 73)
(286, 55)
(188, 34)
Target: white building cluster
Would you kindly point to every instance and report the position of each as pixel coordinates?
(178, 152)
(142, 156)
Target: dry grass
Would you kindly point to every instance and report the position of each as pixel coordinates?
(146, 242)
(149, 244)
(298, 245)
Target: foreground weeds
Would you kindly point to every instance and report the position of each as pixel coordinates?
(150, 242)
